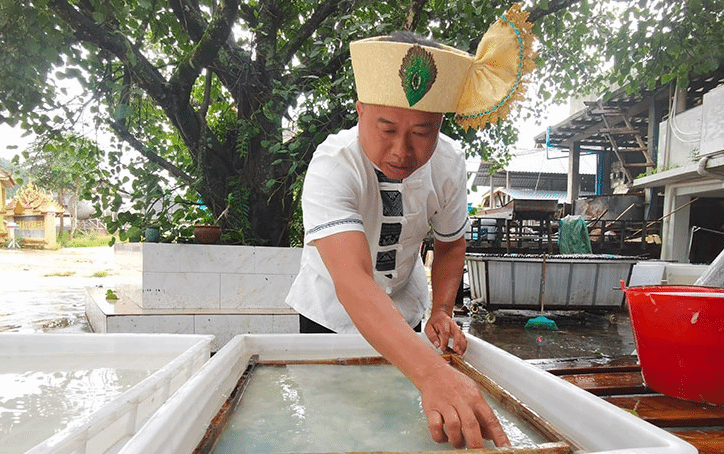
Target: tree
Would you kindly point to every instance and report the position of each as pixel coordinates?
(65, 165)
(228, 99)
(592, 46)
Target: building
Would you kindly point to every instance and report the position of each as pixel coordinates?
(33, 212)
(540, 173)
(6, 182)
(690, 169)
(665, 146)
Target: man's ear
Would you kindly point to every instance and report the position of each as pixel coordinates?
(360, 108)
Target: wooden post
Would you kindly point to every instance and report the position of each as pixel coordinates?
(574, 164)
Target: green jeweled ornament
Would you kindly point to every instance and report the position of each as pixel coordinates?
(418, 73)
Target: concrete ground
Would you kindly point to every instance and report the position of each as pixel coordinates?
(579, 334)
(44, 291)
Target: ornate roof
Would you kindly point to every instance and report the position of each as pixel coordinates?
(29, 200)
(6, 180)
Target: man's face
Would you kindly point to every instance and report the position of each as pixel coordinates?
(398, 141)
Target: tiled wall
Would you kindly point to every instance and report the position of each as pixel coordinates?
(214, 277)
(199, 289)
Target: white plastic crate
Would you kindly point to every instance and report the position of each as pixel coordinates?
(108, 428)
(594, 424)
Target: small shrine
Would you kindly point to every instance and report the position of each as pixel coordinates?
(33, 213)
(6, 182)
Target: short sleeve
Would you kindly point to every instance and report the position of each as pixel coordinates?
(331, 195)
(450, 221)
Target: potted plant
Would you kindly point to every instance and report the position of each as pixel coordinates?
(209, 231)
(153, 233)
(152, 226)
(154, 217)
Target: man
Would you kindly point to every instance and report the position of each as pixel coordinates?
(373, 192)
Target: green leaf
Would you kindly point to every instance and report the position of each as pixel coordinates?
(122, 111)
(666, 78)
(98, 17)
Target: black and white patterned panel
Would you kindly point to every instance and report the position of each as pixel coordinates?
(391, 228)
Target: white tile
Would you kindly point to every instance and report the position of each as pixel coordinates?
(234, 259)
(225, 327)
(163, 258)
(276, 260)
(94, 314)
(191, 276)
(180, 291)
(130, 290)
(172, 324)
(285, 324)
(128, 256)
(255, 291)
(128, 267)
(214, 258)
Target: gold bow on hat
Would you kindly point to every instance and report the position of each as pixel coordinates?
(479, 89)
(495, 80)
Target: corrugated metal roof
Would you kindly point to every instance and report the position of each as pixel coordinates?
(527, 172)
(549, 160)
(530, 194)
(544, 169)
(589, 129)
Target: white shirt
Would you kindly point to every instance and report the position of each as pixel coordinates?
(344, 191)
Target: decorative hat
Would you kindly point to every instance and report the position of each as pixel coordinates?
(479, 89)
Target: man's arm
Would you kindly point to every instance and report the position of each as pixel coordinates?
(455, 409)
(447, 271)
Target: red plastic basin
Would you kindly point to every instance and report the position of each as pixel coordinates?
(679, 335)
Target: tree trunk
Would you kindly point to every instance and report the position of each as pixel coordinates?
(74, 211)
(61, 202)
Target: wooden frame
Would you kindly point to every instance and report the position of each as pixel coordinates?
(558, 443)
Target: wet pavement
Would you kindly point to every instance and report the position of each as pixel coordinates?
(44, 291)
(579, 334)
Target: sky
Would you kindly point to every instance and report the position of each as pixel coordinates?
(528, 130)
(11, 136)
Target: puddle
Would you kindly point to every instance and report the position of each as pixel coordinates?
(44, 310)
(578, 335)
(44, 291)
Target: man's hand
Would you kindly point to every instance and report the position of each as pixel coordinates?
(457, 412)
(446, 276)
(455, 408)
(440, 328)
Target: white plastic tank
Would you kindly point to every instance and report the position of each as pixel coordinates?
(88, 393)
(181, 423)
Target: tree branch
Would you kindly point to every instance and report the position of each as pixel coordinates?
(553, 7)
(413, 14)
(332, 67)
(266, 34)
(192, 21)
(207, 48)
(323, 11)
(204, 108)
(145, 74)
(175, 105)
(189, 17)
(126, 135)
(246, 13)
